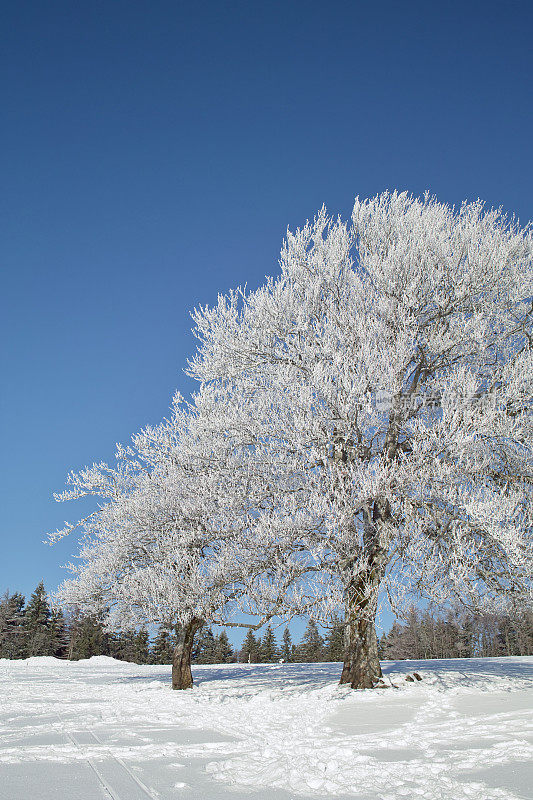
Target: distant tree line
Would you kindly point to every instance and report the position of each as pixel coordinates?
(312, 648)
(34, 629)
(425, 635)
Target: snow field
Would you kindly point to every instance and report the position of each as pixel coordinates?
(110, 729)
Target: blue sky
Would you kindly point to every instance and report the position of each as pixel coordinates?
(153, 155)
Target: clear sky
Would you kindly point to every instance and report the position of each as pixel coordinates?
(153, 155)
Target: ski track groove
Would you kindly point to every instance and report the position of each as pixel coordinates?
(105, 784)
(106, 787)
(124, 766)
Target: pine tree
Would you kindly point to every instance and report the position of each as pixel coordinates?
(524, 633)
(250, 648)
(37, 624)
(12, 630)
(334, 645)
(382, 646)
(162, 649)
(58, 634)
(205, 651)
(287, 646)
(123, 645)
(393, 644)
(268, 650)
(427, 634)
(311, 648)
(223, 653)
(87, 638)
(142, 647)
(411, 634)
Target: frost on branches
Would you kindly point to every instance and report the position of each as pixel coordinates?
(388, 374)
(168, 542)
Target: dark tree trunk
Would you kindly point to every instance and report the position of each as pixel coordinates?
(181, 663)
(361, 668)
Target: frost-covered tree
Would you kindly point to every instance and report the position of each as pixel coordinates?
(169, 542)
(389, 369)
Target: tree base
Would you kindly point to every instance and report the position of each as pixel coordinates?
(361, 668)
(181, 663)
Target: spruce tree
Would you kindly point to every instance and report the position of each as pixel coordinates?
(142, 647)
(12, 630)
(287, 646)
(382, 646)
(162, 649)
(223, 653)
(268, 649)
(58, 634)
(411, 634)
(37, 624)
(87, 638)
(205, 651)
(123, 645)
(311, 648)
(426, 633)
(334, 645)
(393, 646)
(250, 648)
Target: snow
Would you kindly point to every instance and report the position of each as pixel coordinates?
(107, 729)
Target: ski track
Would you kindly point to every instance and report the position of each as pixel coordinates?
(279, 728)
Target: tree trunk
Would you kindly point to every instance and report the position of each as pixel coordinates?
(181, 663)
(361, 668)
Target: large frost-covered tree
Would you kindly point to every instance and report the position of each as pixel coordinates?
(169, 541)
(389, 368)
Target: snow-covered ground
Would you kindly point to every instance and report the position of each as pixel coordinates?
(106, 729)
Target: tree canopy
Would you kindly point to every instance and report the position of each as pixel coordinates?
(363, 426)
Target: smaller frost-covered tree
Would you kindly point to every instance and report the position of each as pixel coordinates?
(169, 544)
(389, 369)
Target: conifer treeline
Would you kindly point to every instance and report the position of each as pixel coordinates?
(425, 635)
(35, 630)
(31, 629)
